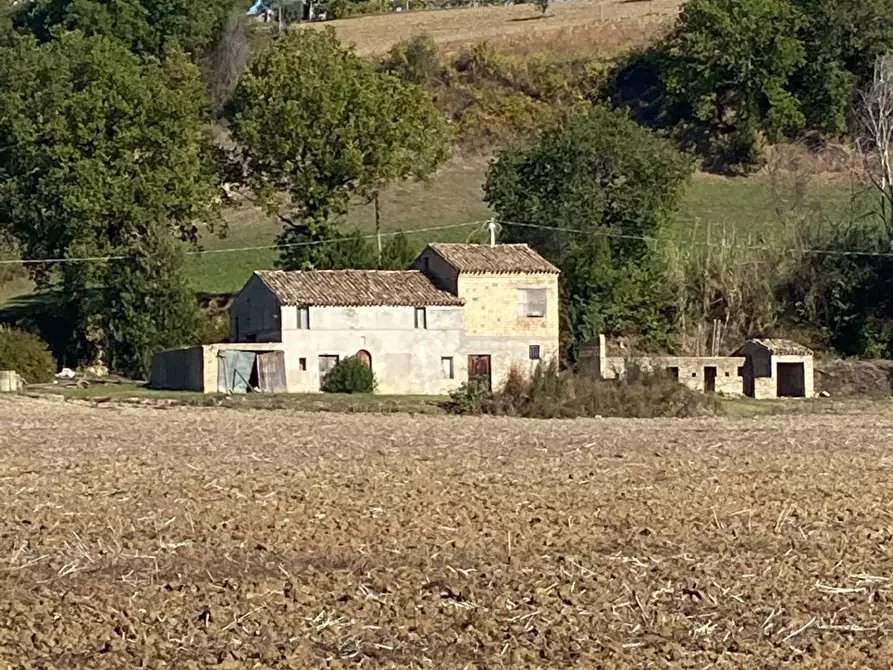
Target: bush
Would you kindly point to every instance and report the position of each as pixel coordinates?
(27, 354)
(551, 393)
(350, 375)
(473, 397)
(415, 61)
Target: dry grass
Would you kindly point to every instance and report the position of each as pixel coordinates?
(191, 537)
(593, 28)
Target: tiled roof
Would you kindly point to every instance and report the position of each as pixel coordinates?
(783, 347)
(352, 288)
(501, 258)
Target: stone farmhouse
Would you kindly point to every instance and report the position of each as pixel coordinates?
(462, 310)
(760, 369)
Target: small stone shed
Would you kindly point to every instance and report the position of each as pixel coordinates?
(776, 368)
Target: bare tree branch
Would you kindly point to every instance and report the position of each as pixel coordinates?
(875, 136)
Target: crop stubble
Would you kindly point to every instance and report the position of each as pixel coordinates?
(189, 537)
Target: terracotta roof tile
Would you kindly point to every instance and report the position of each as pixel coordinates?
(499, 259)
(353, 288)
(784, 347)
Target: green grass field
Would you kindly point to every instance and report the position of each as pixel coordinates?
(742, 210)
(746, 209)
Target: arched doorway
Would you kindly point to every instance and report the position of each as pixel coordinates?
(365, 356)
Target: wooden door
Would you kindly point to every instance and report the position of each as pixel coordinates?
(271, 372)
(479, 368)
(326, 363)
(365, 356)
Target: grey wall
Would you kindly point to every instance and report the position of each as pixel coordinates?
(441, 273)
(255, 313)
(178, 370)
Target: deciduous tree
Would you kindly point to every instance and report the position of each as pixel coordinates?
(317, 125)
(590, 194)
(104, 153)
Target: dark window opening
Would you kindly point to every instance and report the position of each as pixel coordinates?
(534, 352)
(673, 371)
(302, 364)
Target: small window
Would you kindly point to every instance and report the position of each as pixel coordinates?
(421, 318)
(673, 371)
(694, 374)
(728, 375)
(426, 264)
(303, 318)
(532, 302)
(534, 352)
(302, 364)
(446, 367)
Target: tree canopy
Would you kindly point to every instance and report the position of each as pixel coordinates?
(103, 153)
(318, 125)
(590, 194)
(732, 72)
(143, 26)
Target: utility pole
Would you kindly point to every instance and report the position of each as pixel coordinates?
(378, 228)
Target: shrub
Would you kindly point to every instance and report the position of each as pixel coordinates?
(473, 397)
(415, 61)
(350, 375)
(27, 354)
(551, 393)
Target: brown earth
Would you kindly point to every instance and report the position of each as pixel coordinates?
(181, 538)
(594, 27)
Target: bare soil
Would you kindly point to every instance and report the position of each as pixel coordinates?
(188, 537)
(594, 27)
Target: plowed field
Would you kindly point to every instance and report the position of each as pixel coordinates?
(182, 538)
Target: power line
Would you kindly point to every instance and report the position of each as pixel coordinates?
(518, 224)
(230, 250)
(752, 247)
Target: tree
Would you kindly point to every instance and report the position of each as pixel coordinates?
(316, 125)
(543, 6)
(875, 138)
(590, 194)
(103, 153)
(143, 26)
(729, 62)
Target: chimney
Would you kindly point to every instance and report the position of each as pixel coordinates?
(492, 226)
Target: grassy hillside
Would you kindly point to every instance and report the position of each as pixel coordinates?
(741, 210)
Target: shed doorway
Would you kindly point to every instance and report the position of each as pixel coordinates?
(791, 380)
(709, 379)
(243, 371)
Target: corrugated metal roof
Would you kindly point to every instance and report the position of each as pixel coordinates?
(498, 259)
(354, 288)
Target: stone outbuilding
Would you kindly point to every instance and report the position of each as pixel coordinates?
(761, 369)
(776, 368)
